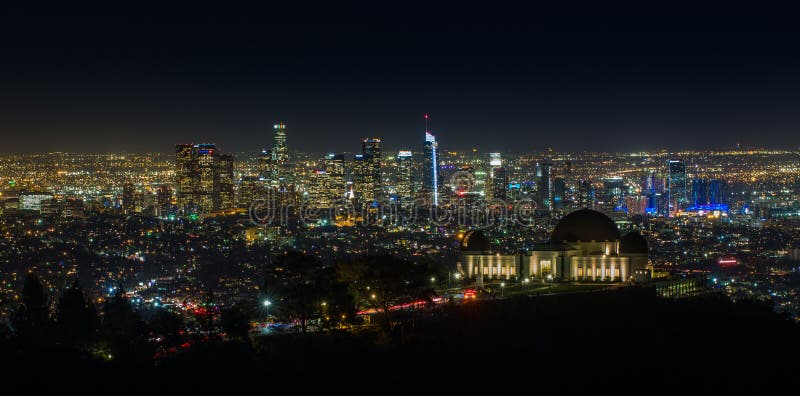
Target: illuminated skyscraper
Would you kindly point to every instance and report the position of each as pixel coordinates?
(226, 198)
(676, 186)
(363, 180)
(404, 178)
(128, 198)
(197, 169)
(544, 171)
(185, 164)
(699, 192)
(716, 192)
(495, 160)
(207, 184)
(430, 173)
(265, 165)
(335, 170)
(163, 200)
(371, 149)
(251, 188)
(559, 193)
(280, 153)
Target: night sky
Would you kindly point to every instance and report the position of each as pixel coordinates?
(119, 78)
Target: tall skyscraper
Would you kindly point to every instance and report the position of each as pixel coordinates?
(404, 185)
(280, 153)
(699, 192)
(185, 164)
(128, 198)
(430, 173)
(544, 171)
(363, 180)
(371, 149)
(197, 170)
(559, 192)
(716, 192)
(226, 198)
(335, 170)
(676, 186)
(207, 186)
(163, 200)
(500, 183)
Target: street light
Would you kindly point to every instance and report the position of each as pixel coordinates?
(267, 303)
(502, 288)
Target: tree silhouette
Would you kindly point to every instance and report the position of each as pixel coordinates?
(31, 320)
(123, 331)
(235, 322)
(383, 281)
(167, 326)
(307, 290)
(76, 318)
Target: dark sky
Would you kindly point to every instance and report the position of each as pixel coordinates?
(626, 77)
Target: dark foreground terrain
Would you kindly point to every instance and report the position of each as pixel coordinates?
(625, 341)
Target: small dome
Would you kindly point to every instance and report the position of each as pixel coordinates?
(475, 241)
(585, 225)
(633, 242)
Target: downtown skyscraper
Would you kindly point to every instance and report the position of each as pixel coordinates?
(676, 186)
(404, 186)
(204, 178)
(430, 171)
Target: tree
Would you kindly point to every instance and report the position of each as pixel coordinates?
(235, 322)
(76, 318)
(31, 320)
(167, 326)
(307, 290)
(384, 281)
(123, 331)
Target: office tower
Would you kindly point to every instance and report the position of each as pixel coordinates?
(430, 172)
(371, 150)
(336, 172)
(363, 180)
(676, 186)
(184, 173)
(197, 169)
(586, 194)
(163, 200)
(499, 183)
(544, 172)
(614, 192)
(699, 192)
(716, 192)
(128, 198)
(559, 192)
(207, 186)
(226, 198)
(404, 186)
(280, 153)
(495, 160)
(317, 194)
(250, 189)
(265, 165)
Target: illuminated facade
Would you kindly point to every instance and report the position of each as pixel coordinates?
(585, 246)
(676, 187)
(430, 172)
(201, 174)
(404, 186)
